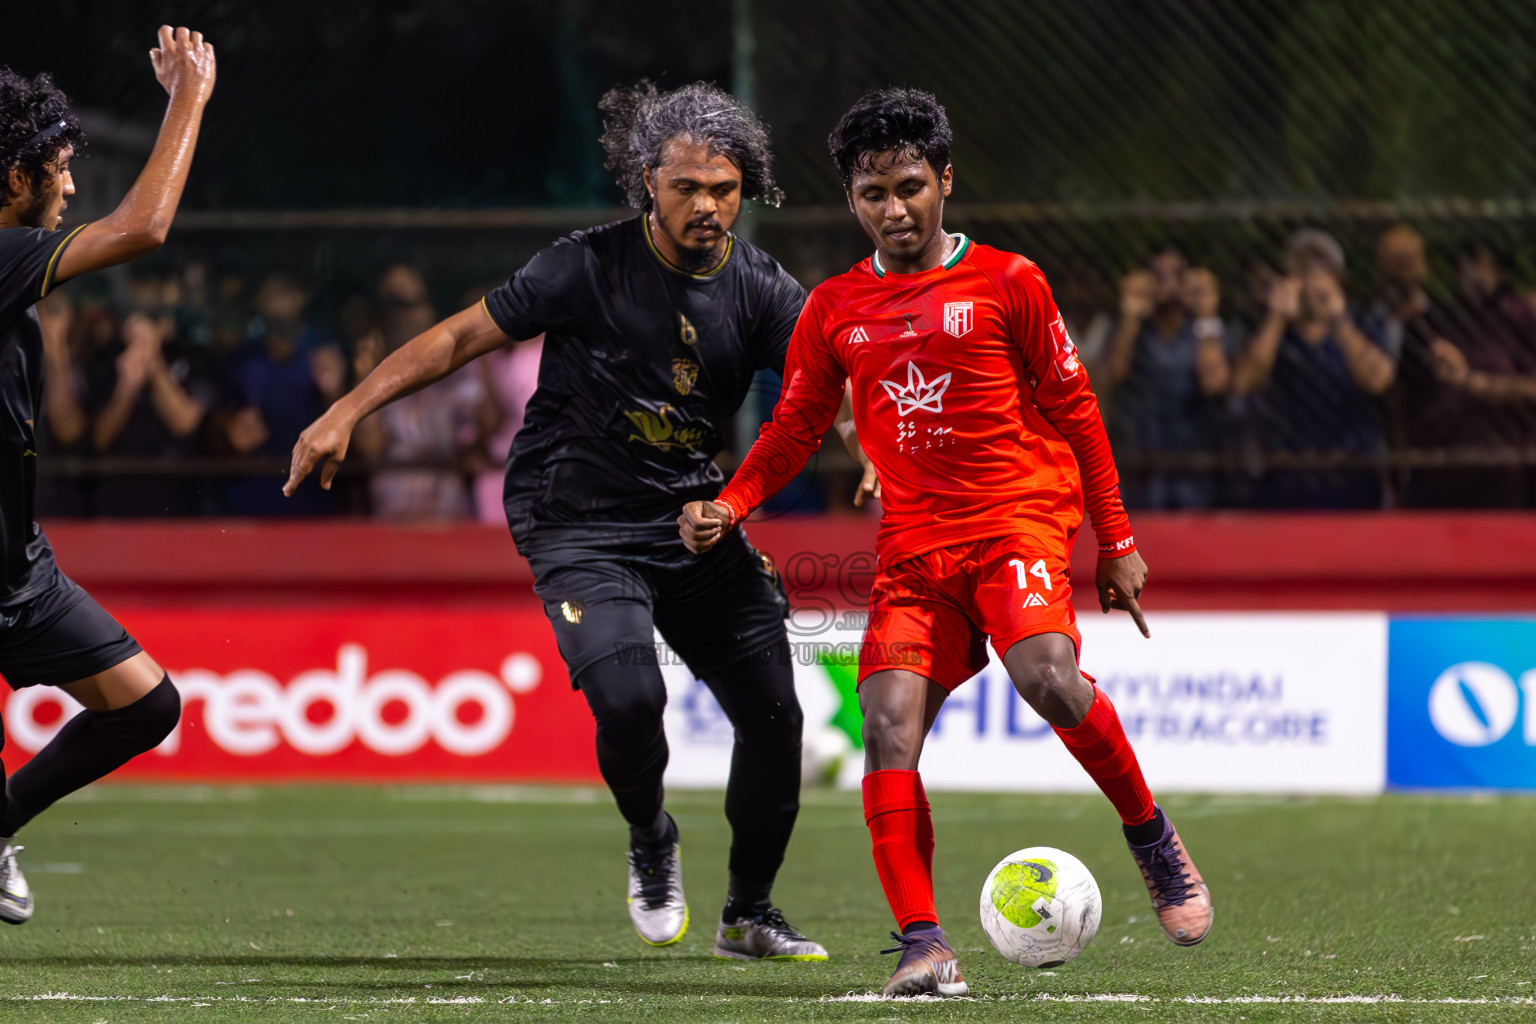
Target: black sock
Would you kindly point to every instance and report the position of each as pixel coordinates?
(663, 832)
(762, 796)
(628, 700)
(89, 746)
(1148, 832)
(746, 899)
(918, 926)
(634, 775)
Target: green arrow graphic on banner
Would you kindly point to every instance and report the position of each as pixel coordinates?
(843, 670)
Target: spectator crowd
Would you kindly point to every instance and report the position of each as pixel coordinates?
(182, 395)
(1291, 396)
(186, 399)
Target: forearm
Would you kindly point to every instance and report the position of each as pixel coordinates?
(1079, 422)
(1212, 369)
(1496, 388)
(66, 419)
(1121, 347)
(1254, 365)
(179, 411)
(776, 458)
(804, 413)
(1369, 367)
(141, 221)
(845, 428)
(150, 205)
(425, 359)
(111, 420)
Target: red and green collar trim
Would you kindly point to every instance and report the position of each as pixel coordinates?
(962, 246)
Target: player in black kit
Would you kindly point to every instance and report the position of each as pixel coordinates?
(653, 328)
(51, 632)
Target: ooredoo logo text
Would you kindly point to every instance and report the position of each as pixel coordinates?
(321, 711)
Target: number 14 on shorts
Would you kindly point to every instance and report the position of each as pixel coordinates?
(1025, 570)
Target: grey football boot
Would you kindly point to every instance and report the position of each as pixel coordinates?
(766, 937)
(656, 904)
(15, 894)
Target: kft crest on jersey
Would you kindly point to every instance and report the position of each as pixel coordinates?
(1066, 360)
(958, 318)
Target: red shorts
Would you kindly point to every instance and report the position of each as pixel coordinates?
(934, 613)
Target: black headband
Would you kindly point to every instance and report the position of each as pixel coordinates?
(48, 133)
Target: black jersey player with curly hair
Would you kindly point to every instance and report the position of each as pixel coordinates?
(653, 329)
(51, 632)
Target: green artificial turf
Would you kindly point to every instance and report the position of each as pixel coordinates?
(382, 903)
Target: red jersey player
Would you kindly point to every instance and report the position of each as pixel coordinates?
(970, 400)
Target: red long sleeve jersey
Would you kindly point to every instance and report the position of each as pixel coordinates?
(968, 397)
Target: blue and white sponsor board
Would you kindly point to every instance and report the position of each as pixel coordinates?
(1462, 705)
(1260, 702)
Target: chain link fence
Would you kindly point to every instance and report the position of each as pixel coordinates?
(1292, 241)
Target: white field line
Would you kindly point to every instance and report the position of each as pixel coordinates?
(851, 997)
(69, 997)
(1128, 997)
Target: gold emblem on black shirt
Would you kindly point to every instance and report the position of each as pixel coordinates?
(684, 373)
(657, 431)
(687, 332)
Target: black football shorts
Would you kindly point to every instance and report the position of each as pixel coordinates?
(712, 610)
(59, 636)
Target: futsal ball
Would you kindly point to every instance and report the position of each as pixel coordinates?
(1040, 907)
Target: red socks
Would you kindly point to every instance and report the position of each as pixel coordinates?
(1099, 744)
(901, 828)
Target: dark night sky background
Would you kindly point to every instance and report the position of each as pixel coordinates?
(397, 103)
(1107, 108)
(471, 102)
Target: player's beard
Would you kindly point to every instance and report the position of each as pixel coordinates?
(34, 213)
(697, 261)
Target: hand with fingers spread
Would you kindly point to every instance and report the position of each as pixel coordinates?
(184, 61)
(702, 524)
(1120, 582)
(325, 439)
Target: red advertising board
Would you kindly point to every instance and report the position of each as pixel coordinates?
(353, 693)
(354, 651)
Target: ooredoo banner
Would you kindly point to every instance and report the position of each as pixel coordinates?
(392, 693)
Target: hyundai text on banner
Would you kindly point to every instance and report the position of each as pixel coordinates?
(1233, 703)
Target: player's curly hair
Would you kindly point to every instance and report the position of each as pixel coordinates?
(29, 106)
(638, 121)
(908, 121)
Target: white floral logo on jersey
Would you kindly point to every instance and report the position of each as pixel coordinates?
(958, 318)
(917, 393)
